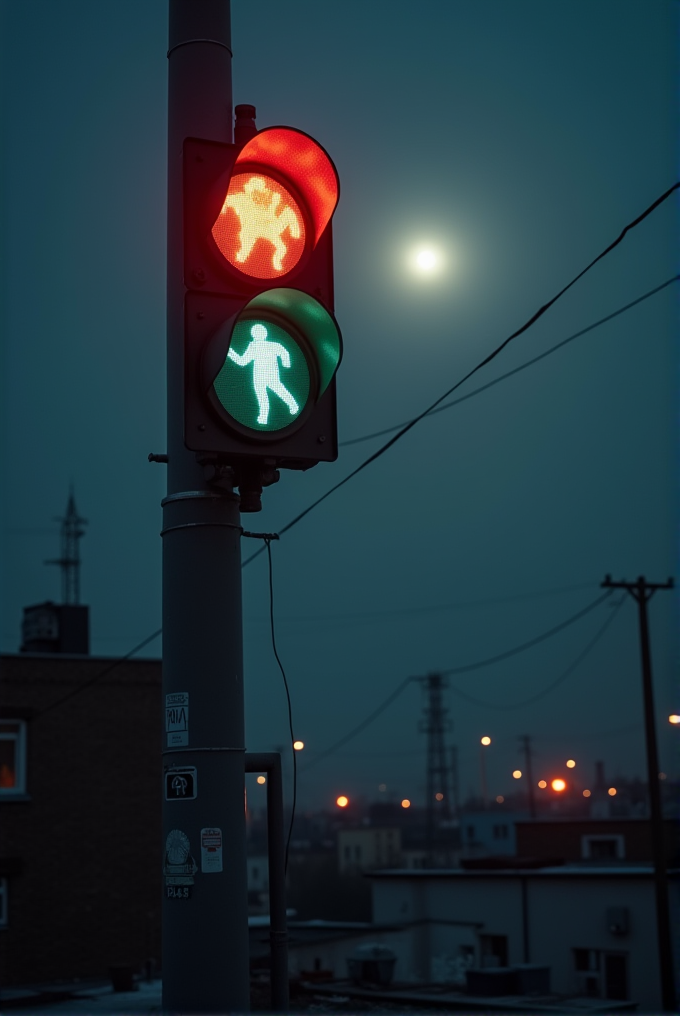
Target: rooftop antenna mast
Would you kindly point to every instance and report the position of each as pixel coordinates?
(434, 725)
(69, 562)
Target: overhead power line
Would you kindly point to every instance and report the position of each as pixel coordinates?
(523, 366)
(551, 687)
(482, 363)
(102, 673)
(379, 710)
(466, 668)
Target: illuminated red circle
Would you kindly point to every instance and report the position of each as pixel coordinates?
(260, 230)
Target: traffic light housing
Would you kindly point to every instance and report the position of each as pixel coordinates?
(261, 343)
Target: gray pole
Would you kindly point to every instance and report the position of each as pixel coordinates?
(205, 907)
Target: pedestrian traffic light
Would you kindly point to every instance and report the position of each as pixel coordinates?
(261, 343)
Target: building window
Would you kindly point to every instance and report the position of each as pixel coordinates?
(607, 847)
(601, 974)
(3, 902)
(493, 950)
(12, 757)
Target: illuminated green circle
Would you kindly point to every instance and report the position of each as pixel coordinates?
(264, 382)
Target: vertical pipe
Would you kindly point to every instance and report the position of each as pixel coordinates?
(656, 815)
(270, 762)
(525, 921)
(205, 905)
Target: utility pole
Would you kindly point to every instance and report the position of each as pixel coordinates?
(642, 591)
(205, 909)
(434, 724)
(525, 740)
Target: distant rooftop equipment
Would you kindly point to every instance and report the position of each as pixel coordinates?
(371, 963)
(61, 627)
(56, 628)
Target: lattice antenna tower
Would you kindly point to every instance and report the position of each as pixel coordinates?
(71, 533)
(434, 724)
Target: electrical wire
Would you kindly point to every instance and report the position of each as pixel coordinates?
(362, 726)
(458, 670)
(400, 611)
(517, 370)
(482, 363)
(466, 668)
(99, 676)
(555, 684)
(267, 542)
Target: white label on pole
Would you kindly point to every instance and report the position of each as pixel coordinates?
(177, 718)
(211, 850)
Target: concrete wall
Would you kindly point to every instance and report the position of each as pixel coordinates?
(563, 912)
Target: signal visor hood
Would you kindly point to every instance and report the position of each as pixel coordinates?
(303, 161)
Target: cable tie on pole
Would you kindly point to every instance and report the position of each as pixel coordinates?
(260, 536)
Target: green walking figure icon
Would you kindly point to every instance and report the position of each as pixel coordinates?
(264, 356)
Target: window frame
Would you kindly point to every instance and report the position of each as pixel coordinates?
(19, 738)
(587, 839)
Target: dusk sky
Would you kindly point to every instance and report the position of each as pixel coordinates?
(514, 137)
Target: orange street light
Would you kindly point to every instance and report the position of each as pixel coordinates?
(674, 718)
(261, 780)
(517, 774)
(612, 791)
(486, 740)
(298, 745)
(406, 803)
(570, 763)
(342, 801)
(500, 799)
(439, 797)
(586, 793)
(542, 784)
(558, 785)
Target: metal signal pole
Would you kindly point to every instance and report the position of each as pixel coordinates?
(205, 911)
(642, 591)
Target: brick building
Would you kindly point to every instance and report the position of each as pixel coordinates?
(80, 852)
(615, 839)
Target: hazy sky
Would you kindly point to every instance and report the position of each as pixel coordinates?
(519, 137)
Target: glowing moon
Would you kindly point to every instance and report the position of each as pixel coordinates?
(426, 260)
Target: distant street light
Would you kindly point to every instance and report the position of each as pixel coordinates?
(674, 718)
(586, 793)
(484, 742)
(298, 745)
(542, 784)
(500, 799)
(558, 785)
(261, 780)
(612, 791)
(406, 803)
(342, 801)
(517, 774)
(570, 763)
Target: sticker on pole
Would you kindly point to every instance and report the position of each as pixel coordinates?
(177, 718)
(179, 867)
(181, 784)
(211, 850)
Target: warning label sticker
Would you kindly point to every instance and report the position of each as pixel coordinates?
(211, 850)
(177, 718)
